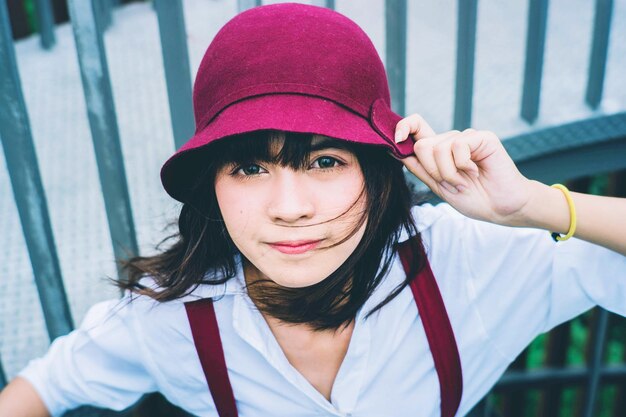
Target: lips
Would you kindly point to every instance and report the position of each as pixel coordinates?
(293, 247)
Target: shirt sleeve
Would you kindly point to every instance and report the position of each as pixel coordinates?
(97, 364)
(523, 283)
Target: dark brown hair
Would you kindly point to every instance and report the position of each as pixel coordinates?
(203, 253)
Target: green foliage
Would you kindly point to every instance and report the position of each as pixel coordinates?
(578, 338)
(599, 184)
(536, 352)
(29, 8)
(568, 402)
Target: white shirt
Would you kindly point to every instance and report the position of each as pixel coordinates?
(501, 286)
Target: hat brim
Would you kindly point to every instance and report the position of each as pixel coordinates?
(288, 112)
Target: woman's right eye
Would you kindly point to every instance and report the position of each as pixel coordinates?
(248, 170)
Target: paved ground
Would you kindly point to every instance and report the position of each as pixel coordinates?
(55, 103)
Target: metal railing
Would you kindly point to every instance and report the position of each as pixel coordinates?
(540, 154)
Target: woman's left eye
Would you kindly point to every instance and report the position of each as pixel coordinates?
(246, 170)
(326, 162)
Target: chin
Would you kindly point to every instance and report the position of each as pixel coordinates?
(296, 277)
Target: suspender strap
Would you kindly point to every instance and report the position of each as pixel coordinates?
(438, 330)
(430, 305)
(206, 337)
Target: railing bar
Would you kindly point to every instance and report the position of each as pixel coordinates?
(102, 10)
(533, 67)
(21, 160)
(329, 4)
(108, 10)
(3, 377)
(104, 129)
(619, 401)
(599, 51)
(596, 362)
(98, 15)
(243, 5)
(514, 403)
(617, 188)
(568, 376)
(395, 46)
(176, 64)
(45, 23)
(465, 58)
(490, 407)
(558, 341)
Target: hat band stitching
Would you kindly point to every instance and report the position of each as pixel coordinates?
(283, 88)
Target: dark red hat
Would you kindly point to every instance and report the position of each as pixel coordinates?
(291, 67)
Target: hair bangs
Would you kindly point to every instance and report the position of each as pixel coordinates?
(286, 149)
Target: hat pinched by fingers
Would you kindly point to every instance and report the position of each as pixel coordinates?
(290, 67)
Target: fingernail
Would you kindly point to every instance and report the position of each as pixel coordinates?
(399, 137)
(449, 187)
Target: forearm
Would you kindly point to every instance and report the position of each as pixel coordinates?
(600, 220)
(19, 399)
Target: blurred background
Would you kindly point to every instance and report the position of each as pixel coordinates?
(92, 106)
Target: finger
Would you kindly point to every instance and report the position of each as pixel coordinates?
(462, 155)
(480, 145)
(413, 165)
(423, 149)
(442, 154)
(413, 125)
(483, 143)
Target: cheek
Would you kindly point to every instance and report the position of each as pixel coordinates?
(343, 198)
(236, 208)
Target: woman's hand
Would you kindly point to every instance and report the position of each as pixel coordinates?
(470, 170)
(500, 193)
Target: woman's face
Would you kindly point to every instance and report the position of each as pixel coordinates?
(283, 220)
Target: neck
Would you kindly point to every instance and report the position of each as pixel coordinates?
(285, 306)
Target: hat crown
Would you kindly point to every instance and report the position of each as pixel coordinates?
(289, 48)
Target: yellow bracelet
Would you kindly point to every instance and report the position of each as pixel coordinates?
(572, 215)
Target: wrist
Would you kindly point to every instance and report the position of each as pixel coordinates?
(546, 208)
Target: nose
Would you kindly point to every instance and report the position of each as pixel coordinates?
(290, 199)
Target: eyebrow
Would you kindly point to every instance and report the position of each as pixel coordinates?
(326, 143)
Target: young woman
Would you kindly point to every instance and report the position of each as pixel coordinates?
(302, 281)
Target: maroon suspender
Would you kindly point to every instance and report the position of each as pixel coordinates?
(438, 331)
(206, 337)
(429, 304)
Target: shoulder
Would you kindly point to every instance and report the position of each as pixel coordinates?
(428, 216)
(155, 316)
(164, 335)
(440, 227)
